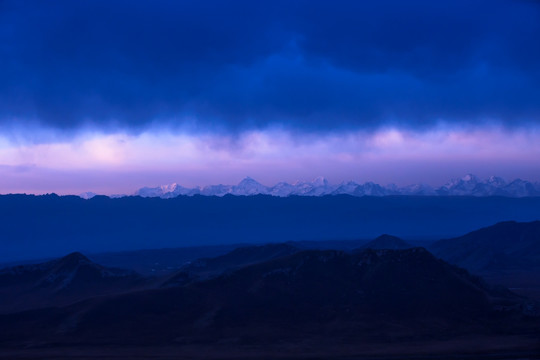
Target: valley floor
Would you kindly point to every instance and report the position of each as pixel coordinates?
(471, 348)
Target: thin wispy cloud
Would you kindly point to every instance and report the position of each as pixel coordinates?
(275, 155)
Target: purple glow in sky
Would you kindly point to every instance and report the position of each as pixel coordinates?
(121, 163)
(111, 96)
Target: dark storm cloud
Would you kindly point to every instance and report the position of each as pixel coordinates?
(230, 64)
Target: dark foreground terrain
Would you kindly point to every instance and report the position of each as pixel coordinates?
(298, 304)
(472, 348)
(384, 299)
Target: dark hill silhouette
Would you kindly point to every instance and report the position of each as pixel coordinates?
(383, 296)
(60, 282)
(507, 253)
(506, 245)
(157, 262)
(209, 267)
(386, 241)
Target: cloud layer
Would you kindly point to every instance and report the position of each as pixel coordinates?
(235, 66)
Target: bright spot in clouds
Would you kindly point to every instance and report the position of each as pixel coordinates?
(120, 162)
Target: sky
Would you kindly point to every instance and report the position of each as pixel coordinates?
(110, 96)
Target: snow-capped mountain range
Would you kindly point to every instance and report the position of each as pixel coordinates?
(469, 185)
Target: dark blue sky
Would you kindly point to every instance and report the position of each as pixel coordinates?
(231, 68)
(307, 64)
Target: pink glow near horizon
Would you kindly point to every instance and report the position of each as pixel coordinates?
(121, 163)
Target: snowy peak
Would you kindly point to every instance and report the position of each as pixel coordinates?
(468, 185)
(169, 188)
(165, 191)
(418, 190)
(467, 180)
(247, 180)
(216, 190)
(282, 189)
(521, 188)
(318, 187)
(320, 181)
(462, 186)
(470, 178)
(87, 195)
(249, 186)
(496, 181)
(371, 189)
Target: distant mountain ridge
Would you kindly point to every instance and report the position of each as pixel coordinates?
(468, 185)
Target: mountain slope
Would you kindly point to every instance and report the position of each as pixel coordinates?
(248, 186)
(387, 295)
(209, 267)
(507, 253)
(504, 246)
(60, 282)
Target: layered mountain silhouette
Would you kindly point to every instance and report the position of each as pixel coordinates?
(158, 262)
(61, 282)
(385, 296)
(49, 226)
(205, 268)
